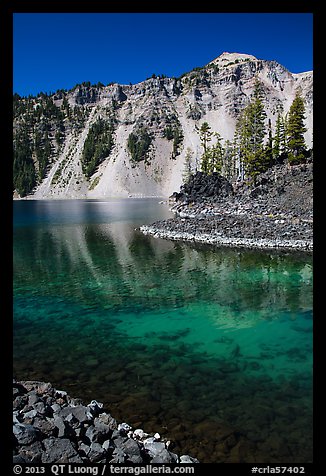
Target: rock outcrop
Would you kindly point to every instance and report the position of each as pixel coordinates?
(277, 212)
(202, 187)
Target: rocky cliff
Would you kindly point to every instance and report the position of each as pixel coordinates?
(148, 127)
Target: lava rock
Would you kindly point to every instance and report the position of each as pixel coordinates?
(131, 448)
(97, 453)
(59, 451)
(119, 456)
(25, 434)
(51, 427)
(32, 453)
(165, 456)
(81, 413)
(188, 459)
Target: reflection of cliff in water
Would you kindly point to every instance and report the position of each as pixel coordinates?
(122, 264)
(168, 335)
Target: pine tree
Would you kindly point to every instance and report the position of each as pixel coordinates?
(297, 151)
(236, 145)
(284, 135)
(277, 136)
(205, 135)
(249, 137)
(229, 160)
(66, 107)
(254, 157)
(257, 117)
(138, 144)
(268, 150)
(97, 146)
(280, 139)
(187, 171)
(205, 159)
(215, 155)
(208, 156)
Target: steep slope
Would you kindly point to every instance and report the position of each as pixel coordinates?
(163, 111)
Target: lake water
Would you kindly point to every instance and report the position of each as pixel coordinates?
(211, 347)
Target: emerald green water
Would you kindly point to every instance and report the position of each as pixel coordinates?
(183, 339)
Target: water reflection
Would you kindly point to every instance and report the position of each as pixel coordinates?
(59, 212)
(165, 333)
(65, 259)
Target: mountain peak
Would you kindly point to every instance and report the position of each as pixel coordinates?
(231, 57)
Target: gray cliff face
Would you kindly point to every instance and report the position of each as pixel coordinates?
(215, 93)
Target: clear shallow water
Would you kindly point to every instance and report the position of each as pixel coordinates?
(177, 338)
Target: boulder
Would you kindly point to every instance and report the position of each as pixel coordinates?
(46, 426)
(119, 456)
(165, 456)
(188, 459)
(32, 453)
(64, 430)
(153, 447)
(106, 419)
(25, 434)
(59, 450)
(97, 453)
(201, 186)
(81, 413)
(132, 450)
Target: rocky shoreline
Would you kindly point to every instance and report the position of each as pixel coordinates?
(275, 213)
(49, 426)
(234, 232)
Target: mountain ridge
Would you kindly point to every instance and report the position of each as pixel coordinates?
(167, 109)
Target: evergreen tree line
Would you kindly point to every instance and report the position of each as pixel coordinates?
(138, 144)
(24, 174)
(174, 132)
(97, 146)
(40, 129)
(31, 158)
(250, 154)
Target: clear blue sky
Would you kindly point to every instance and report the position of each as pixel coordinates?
(58, 50)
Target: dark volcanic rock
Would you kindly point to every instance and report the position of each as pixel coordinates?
(32, 453)
(81, 413)
(25, 434)
(275, 212)
(97, 453)
(59, 451)
(46, 426)
(164, 456)
(66, 431)
(201, 186)
(131, 448)
(105, 420)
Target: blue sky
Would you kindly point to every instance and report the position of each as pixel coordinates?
(58, 50)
